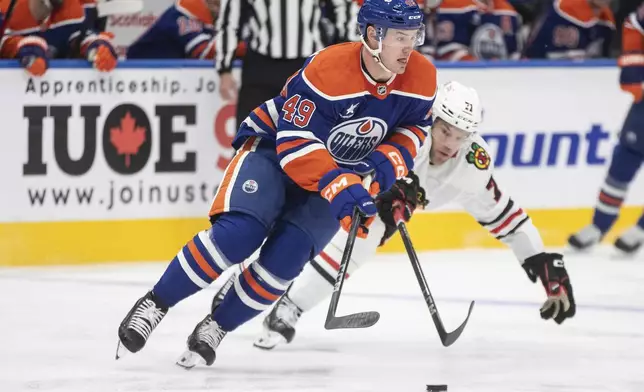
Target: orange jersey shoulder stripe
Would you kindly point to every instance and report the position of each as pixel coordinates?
(21, 18)
(72, 10)
(197, 9)
(632, 38)
(503, 5)
(335, 71)
(458, 4)
(419, 77)
(580, 12)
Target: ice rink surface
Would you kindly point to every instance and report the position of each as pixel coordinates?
(58, 332)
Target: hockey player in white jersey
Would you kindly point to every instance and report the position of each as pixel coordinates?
(453, 166)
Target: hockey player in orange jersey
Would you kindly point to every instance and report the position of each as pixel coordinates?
(50, 29)
(353, 110)
(185, 30)
(572, 29)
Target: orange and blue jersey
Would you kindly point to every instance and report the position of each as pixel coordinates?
(631, 60)
(184, 30)
(496, 36)
(332, 114)
(59, 29)
(454, 25)
(92, 21)
(571, 29)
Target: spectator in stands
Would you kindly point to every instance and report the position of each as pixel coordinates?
(185, 30)
(476, 29)
(42, 29)
(497, 34)
(572, 29)
(279, 40)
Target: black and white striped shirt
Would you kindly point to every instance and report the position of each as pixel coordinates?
(279, 29)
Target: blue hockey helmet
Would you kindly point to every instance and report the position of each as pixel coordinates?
(390, 14)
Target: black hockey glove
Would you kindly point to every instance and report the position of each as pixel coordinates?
(407, 192)
(550, 269)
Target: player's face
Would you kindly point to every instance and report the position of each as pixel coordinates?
(397, 45)
(446, 141)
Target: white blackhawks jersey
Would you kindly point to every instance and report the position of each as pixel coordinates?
(466, 180)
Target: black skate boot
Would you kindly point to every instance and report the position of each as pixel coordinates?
(202, 343)
(136, 327)
(279, 325)
(585, 238)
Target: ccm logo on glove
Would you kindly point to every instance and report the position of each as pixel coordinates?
(336, 186)
(398, 163)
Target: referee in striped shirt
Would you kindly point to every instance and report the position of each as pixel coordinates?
(281, 34)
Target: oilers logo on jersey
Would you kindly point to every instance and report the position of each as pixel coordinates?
(488, 42)
(352, 141)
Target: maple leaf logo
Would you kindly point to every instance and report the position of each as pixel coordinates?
(128, 138)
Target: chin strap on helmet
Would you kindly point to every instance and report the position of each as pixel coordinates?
(375, 53)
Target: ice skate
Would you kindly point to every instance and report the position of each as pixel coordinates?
(202, 343)
(585, 238)
(279, 325)
(631, 240)
(136, 327)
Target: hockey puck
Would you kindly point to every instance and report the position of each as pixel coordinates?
(436, 388)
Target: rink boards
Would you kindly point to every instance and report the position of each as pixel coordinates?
(124, 166)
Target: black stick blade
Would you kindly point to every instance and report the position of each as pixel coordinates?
(356, 320)
(449, 338)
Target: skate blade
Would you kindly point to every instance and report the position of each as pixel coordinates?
(190, 359)
(121, 351)
(269, 341)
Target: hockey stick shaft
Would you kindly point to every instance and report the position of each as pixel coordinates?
(356, 320)
(344, 264)
(447, 338)
(7, 18)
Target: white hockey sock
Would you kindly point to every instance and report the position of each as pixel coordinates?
(309, 289)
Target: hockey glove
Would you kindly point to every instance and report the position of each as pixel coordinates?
(32, 54)
(406, 193)
(387, 164)
(344, 190)
(100, 52)
(549, 267)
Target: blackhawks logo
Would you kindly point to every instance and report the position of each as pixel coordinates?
(478, 157)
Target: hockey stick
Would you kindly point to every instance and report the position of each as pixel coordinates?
(447, 338)
(7, 17)
(356, 320)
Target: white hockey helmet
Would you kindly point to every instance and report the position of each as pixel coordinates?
(459, 106)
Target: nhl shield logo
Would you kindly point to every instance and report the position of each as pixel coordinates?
(381, 89)
(352, 141)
